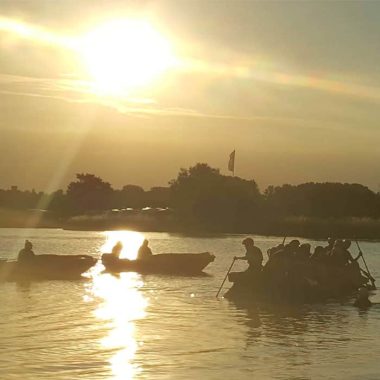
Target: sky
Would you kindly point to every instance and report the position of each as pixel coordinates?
(133, 91)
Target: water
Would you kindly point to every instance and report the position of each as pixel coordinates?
(161, 327)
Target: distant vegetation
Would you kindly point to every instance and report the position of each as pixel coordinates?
(200, 199)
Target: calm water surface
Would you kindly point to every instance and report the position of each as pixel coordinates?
(160, 327)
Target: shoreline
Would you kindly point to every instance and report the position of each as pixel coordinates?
(305, 227)
(195, 232)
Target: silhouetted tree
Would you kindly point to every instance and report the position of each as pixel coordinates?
(323, 200)
(158, 197)
(202, 194)
(89, 193)
(129, 196)
(58, 203)
(19, 200)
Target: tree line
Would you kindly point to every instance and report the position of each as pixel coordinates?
(201, 195)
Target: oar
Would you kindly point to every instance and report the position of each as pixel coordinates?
(366, 274)
(366, 267)
(221, 286)
(283, 240)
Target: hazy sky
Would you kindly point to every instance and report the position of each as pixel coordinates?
(294, 87)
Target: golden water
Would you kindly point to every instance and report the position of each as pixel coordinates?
(161, 327)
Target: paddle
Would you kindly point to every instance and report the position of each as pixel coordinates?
(366, 274)
(283, 240)
(366, 267)
(233, 261)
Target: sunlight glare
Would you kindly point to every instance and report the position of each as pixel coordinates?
(131, 243)
(122, 304)
(122, 55)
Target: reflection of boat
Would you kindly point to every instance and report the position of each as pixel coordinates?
(46, 267)
(166, 263)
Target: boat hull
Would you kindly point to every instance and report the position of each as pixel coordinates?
(46, 267)
(165, 263)
(295, 287)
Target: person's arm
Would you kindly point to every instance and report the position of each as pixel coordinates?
(360, 254)
(240, 257)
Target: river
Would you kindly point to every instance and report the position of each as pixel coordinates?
(164, 327)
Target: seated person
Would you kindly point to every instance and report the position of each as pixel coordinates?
(340, 255)
(26, 254)
(330, 245)
(349, 258)
(274, 250)
(319, 255)
(302, 253)
(116, 250)
(144, 251)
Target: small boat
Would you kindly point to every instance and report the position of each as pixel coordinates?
(164, 263)
(46, 267)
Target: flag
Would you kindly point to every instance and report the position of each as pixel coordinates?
(231, 162)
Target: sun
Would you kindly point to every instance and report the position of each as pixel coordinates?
(122, 55)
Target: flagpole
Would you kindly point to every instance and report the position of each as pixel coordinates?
(231, 163)
(233, 171)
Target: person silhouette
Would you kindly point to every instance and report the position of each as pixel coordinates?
(144, 251)
(116, 249)
(26, 254)
(253, 255)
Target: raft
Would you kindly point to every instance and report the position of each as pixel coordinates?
(46, 267)
(164, 263)
(296, 285)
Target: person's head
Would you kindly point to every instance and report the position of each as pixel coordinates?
(305, 249)
(28, 244)
(294, 244)
(117, 247)
(248, 242)
(145, 242)
(330, 241)
(346, 244)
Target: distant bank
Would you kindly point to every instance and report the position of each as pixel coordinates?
(161, 220)
(200, 200)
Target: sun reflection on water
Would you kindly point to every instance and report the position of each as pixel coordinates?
(122, 303)
(131, 241)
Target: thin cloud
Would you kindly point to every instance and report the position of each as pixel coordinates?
(73, 91)
(33, 33)
(254, 71)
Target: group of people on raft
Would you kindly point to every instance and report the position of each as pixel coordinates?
(293, 270)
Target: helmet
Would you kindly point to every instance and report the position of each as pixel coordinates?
(248, 241)
(305, 247)
(294, 244)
